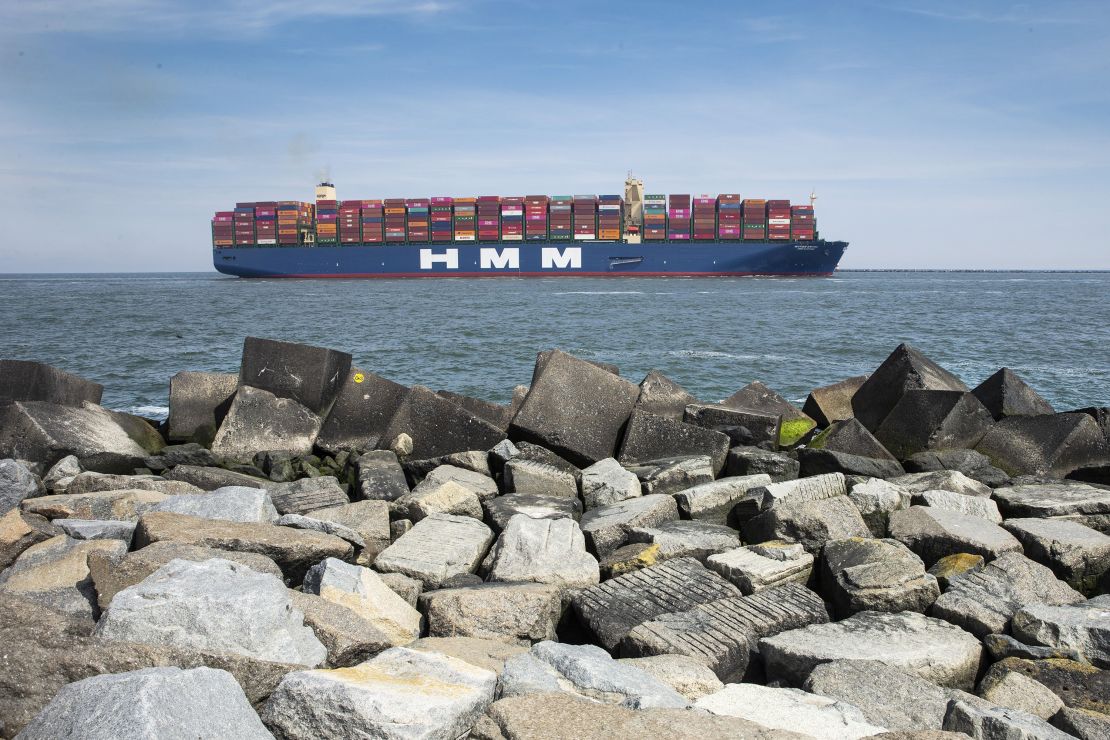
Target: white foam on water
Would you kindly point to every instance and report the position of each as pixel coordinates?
(154, 412)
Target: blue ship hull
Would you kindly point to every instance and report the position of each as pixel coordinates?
(535, 259)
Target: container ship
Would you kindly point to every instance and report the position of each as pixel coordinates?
(635, 235)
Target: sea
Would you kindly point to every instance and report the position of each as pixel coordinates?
(133, 332)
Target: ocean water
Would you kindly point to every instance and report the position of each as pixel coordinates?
(480, 337)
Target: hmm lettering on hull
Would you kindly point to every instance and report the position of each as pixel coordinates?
(491, 258)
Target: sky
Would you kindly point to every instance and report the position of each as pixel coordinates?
(935, 133)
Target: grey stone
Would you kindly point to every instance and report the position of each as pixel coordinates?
(215, 606)
(875, 575)
(436, 548)
(542, 359)
(151, 702)
(942, 480)
(1052, 444)
(482, 485)
(348, 638)
(1086, 504)
(311, 376)
(194, 398)
(438, 426)
(363, 407)
(407, 588)
(523, 613)
(683, 538)
(26, 380)
(607, 482)
(364, 592)
(925, 420)
(724, 633)
(832, 403)
(744, 426)
(401, 693)
(380, 476)
(16, 484)
(477, 651)
(662, 396)
(232, 503)
(18, 531)
(398, 529)
(611, 609)
(530, 451)
(1080, 685)
(904, 370)
(114, 505)
(934, 533)
(369, 519)
(97, 529)
(930, 648)
(756, 396)
(973, 464)
(983, 508)
(982, 602)
(539, 479)
(1083, 724)
(400, 445)
(628, 558)
(987, 722)
(1083, 627)
(853, 438)
(500, 454)
(650, 437)
(298, 521)
(821, 462)
(816, 488)
(585, 670)
(55, 573)
(1005, 394)
(92, 482)
(714, 501)
(307, 495)
(1077, 554)
(209, 479)
(257, 421)
(876, 499)
(1014, 690)
(607, 528)
(1005, 646)
(809, 523)
(188, 453)
(673, 474)
(494, 413)
(754, 460)
(688, 676)
(551, 551)
(790, 709)
(471, 461)
(503, 508)
(758, 567)
(951, 567)
(446, 497)
(61, 474)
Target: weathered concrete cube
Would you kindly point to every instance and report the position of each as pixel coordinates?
(651, 437)
(494, 413)
(1078, 555)
(607, 528)
(662, 396)
(832, 403)
(437, 548)
(503, 508)
(904, 370)
(925, 420)
(859, 574)
(755, 427)
(362, 409)
(756, 396)
(1053, 444)
(25, 380)
(259, 421)
(851, 437)
(311, 376)
(438, 426)
(194, 398)
(1005, 394)
(935, 533)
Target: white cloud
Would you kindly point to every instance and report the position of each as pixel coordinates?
(1019, 14)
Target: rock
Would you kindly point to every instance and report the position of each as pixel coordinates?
(26, 380)
(875, 575)
(111, 573)
(297, 521)
(101, 440)
(398, 529)
(585, 670)
(500, 454)
(662, 396)
(756, 396)
(539, 479)
(629, 558)
(16, 484)
(483, 486)
(934, 650)
(1077, 554)
(986, 722)
(233, 504)
(1053, 444)
(611, 609)
(982, 602)
(494, 413)
(543, 357)
(674, 474)
(189, 453)
(477, 651)
(815, 488)
(876, 499)
(348, 638)
(538, 453)
(110, 505)
(714, 501)
(852, 438)
(363, 592)
(523, 613)
(606, 482)
(311, 376)
(1088, 505)
(1080, 685)
(380, 476)
(503, 508)
(55, 573)
(447, 497)
(681, 539)
(790, 709)
(984, 508)
(758, 567)
(1005, 646)
(1083, 627)
(295, 551)
(1083, 724)
(972, 464)
(607, 528)
(904, 370)
(688, 676)
(209, 479)
(438, 426)
(369, 519)
(742, 426)
(407, 588)
(1092, 474)
(306, 495)
(942, 480)
(91, 482)
(194, 398)
(934, 533)
(260, 421)
(887, 696)
(953, 566)
(363, 407)
(152, 702)
(399, 693)
(651, 437)
(94, 529)
(1014, 690)
(832, 403)
(436, 548)
(400, 445)
(754, 460)
(723, 634)
(18, 531)
(1005, 394)
(61, 473)
(809, 523)
(551, 551)
(925, 420)
(821, 462)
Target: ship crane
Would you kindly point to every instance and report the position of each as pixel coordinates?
(633, 209)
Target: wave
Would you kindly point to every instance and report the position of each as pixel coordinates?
(708, 354)
(154, 412)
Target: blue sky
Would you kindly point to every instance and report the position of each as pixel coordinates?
(937, 134)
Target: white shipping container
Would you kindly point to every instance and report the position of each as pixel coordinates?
(267, 241)
(512, 237)
(512, 212)
(461, 238)
(585, 236)
(778, 221)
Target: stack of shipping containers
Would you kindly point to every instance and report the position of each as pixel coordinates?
(655, 217)
(778, 219)
(418, 219)
(802, 223)
(609, 217)
(535, 216)
(754, 222)
(512, 219)
(327, 215)
(223, 229)
(350, 222)
(265, 223)
(373, 217)
(441, 219)
(288, 222)
(394, 209)
(728, 216)
(705, 217)
(560, 217)
(466, 219)
(489, 218)
(585, 216)
(678, 217)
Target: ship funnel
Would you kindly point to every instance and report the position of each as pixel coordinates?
(325, 191)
